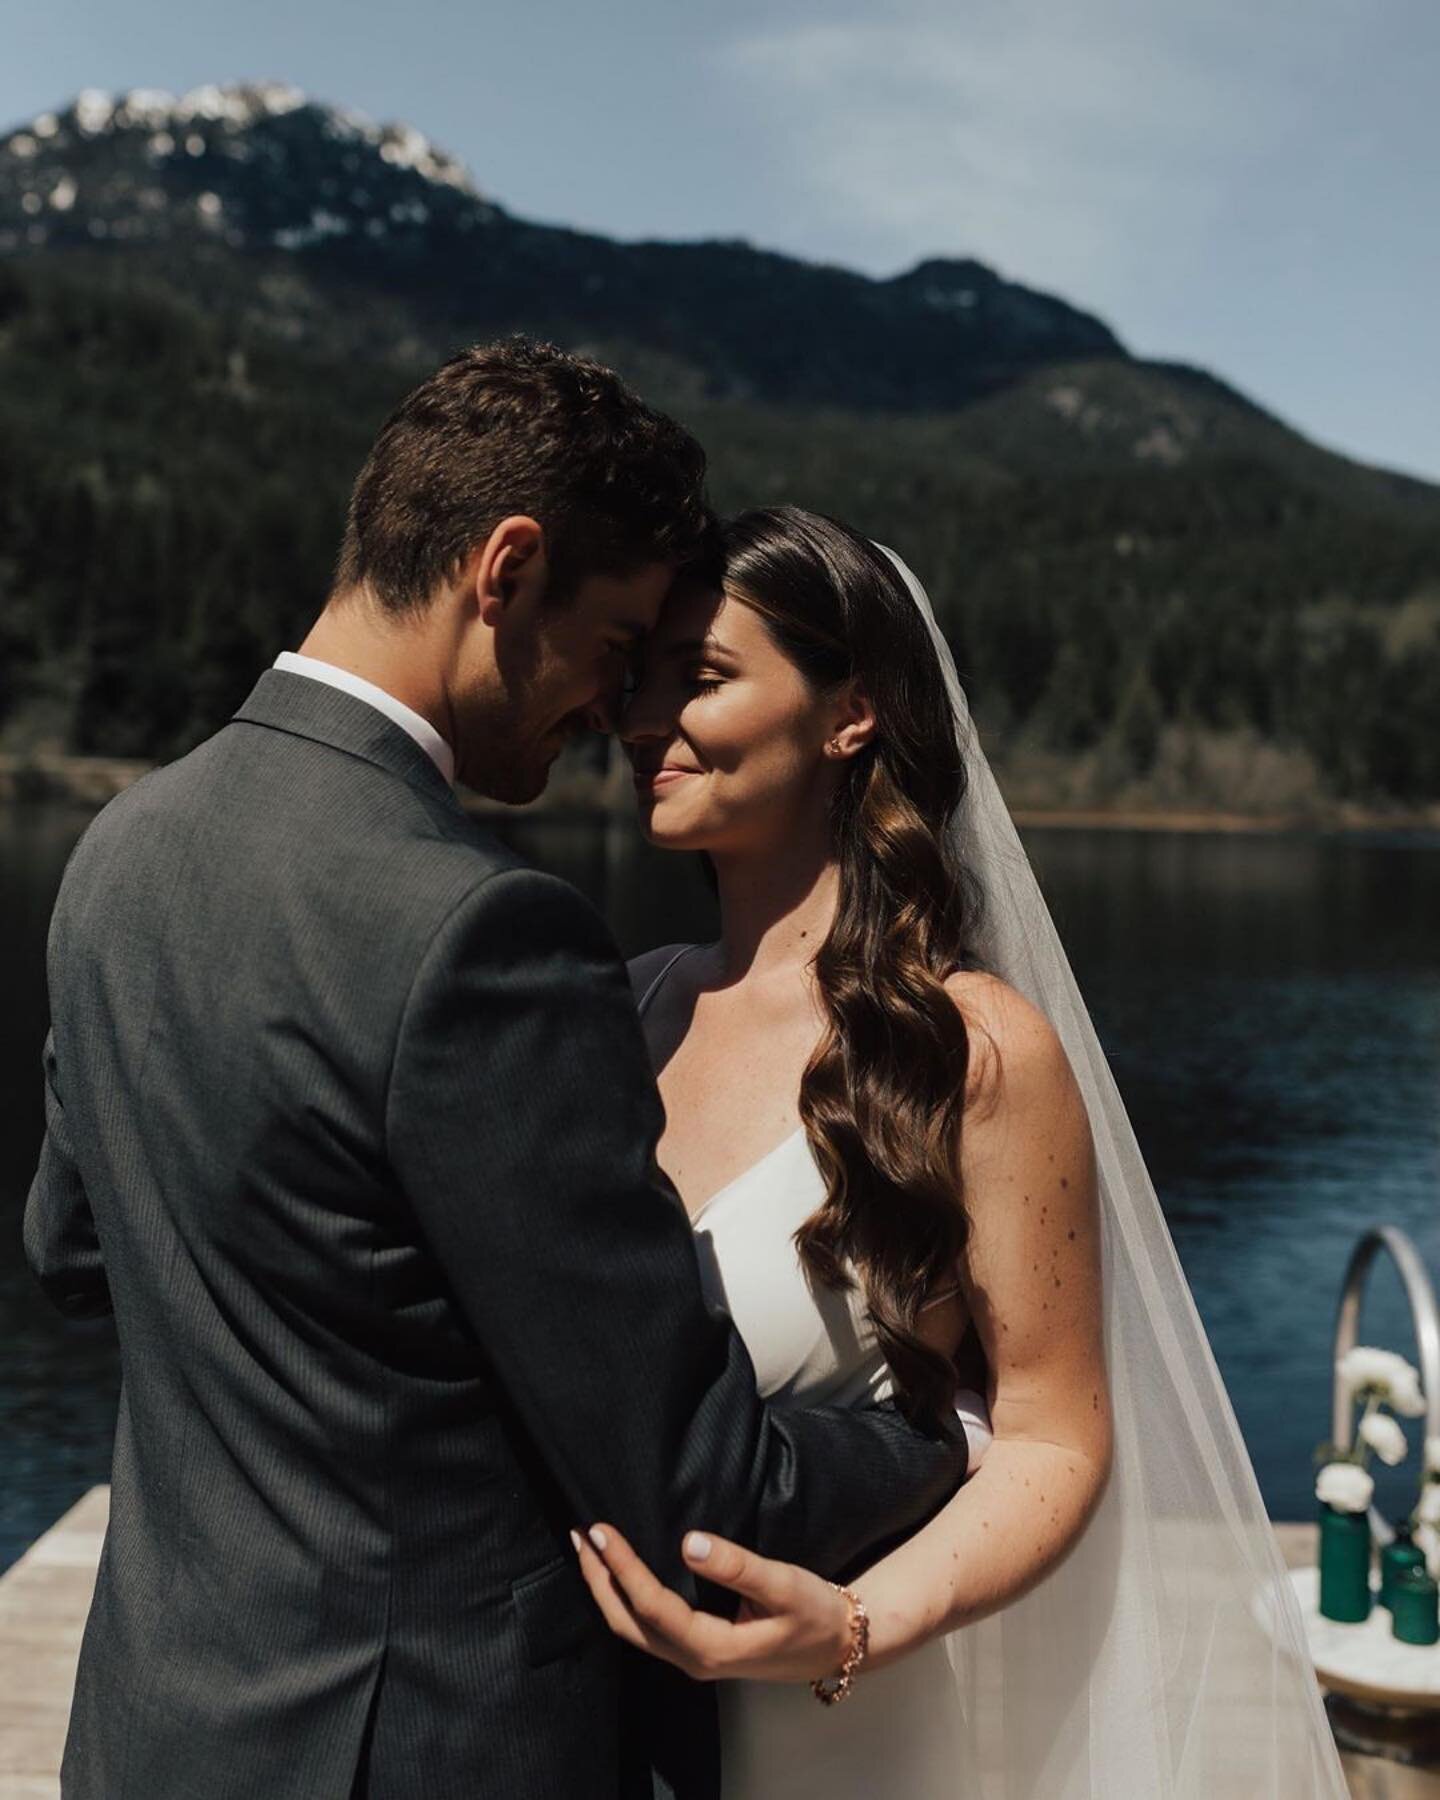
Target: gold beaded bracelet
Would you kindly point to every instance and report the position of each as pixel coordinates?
(830, 1688)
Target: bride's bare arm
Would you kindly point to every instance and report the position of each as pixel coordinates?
(1031, 1283)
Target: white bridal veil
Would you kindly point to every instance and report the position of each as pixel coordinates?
(1165, 1658)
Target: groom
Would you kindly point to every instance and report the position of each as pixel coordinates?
(351, 1124)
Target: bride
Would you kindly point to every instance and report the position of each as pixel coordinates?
(904, 1157)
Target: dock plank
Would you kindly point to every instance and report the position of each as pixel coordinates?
(43, 1602)
(44, 1599)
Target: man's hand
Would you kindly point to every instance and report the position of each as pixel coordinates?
(791, 1626)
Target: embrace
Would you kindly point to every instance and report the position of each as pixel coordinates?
(761, 1373)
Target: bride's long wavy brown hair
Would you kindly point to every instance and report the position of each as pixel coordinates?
(883, 1096)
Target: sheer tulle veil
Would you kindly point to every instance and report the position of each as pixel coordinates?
(1165, 1658)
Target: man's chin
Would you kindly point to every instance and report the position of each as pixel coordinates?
(533, 786)
(511, 784)
(518, 787)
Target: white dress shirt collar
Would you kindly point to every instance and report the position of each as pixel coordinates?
(423, 732)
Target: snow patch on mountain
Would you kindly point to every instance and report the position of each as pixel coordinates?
(171, 121)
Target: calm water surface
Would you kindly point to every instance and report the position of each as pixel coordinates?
(1271, 1006)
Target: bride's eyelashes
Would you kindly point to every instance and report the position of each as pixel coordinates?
(704, 683)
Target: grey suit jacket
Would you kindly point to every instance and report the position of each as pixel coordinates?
(351, 1123)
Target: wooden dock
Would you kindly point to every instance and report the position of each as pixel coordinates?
(43, 1602)
(45, 1597)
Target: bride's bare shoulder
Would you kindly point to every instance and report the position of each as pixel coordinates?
(643, 968)
(1026, 1132)
(1012, 1043)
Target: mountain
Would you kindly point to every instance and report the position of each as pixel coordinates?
(1159, 592)
(257, 170)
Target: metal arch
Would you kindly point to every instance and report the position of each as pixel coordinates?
(1424, 1315)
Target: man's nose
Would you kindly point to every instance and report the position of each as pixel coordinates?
(640, 718)
(603, 712)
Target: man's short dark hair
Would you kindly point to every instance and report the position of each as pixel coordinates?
(521, 427)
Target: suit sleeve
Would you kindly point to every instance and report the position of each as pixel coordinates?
(61, 1245)
(522, 1121)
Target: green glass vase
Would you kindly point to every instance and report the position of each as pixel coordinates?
(1415, 1615)
(1344, 1565)
(1402, 1552)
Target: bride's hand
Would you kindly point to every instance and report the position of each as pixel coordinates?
(791, 1626)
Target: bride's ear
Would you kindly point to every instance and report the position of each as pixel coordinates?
(852, 721)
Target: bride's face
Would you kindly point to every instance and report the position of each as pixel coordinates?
(725, 736)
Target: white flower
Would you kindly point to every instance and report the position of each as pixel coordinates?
(1407, 1396)
(1345, 1486)
(1385, 1374)
(1385, 1438)
(1428, 1507)
(1361, 1364)
(1428, 1539)
(1432, 1456)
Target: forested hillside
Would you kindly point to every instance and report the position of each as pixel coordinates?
(1157, 593)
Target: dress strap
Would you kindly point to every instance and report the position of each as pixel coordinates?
(937, 1299)
(655, 985)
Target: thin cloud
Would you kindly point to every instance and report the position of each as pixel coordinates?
(1092, 149)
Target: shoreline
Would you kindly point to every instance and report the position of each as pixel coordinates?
(1347, 821)
(91, 781)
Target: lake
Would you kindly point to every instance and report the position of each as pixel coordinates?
(1271, 1006)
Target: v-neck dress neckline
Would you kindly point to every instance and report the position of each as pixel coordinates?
(735, 1181)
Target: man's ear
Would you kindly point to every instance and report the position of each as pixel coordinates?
(852, 721)
(509, 567)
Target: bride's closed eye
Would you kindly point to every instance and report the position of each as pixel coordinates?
(704, 683)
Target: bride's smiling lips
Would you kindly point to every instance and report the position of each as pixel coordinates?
(663, 776)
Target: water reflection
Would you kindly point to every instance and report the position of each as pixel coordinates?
(1271, 1007)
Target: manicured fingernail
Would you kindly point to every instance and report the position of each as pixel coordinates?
(598, 1537)
(697, 1546)
(575, 1540)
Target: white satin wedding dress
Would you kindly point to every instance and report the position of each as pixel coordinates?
(898, 1734)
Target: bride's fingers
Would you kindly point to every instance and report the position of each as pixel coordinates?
(616, 1610)
(704, 1647)
(616, 1613)
(768, 1586)
(653, 1604)
(697, 1642)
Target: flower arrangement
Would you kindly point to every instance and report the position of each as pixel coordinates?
(1426, 1516)
(1378, 1378)
(1344, 1487)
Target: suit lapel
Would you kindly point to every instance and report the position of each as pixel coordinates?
(285, 701)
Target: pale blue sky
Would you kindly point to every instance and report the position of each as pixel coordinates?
(1245, 184)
